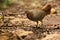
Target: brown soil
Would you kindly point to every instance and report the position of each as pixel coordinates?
(16, 26)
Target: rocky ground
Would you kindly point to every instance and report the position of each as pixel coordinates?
(15, 25)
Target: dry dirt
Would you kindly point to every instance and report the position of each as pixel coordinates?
(16, 26)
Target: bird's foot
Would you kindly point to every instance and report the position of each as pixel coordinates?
(41, 26)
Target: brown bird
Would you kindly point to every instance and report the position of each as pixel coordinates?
(38, 14)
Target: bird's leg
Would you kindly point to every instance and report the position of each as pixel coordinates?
(41, 23)
(37, 24)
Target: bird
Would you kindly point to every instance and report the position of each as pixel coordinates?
(38, 14)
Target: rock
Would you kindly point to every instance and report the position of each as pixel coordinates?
(21, 32)
(54, 36)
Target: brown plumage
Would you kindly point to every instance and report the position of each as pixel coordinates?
(38, 14)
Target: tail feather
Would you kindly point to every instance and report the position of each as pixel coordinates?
(47, 7)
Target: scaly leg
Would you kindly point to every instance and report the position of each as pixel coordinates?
(41, 23)
(37, 23)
